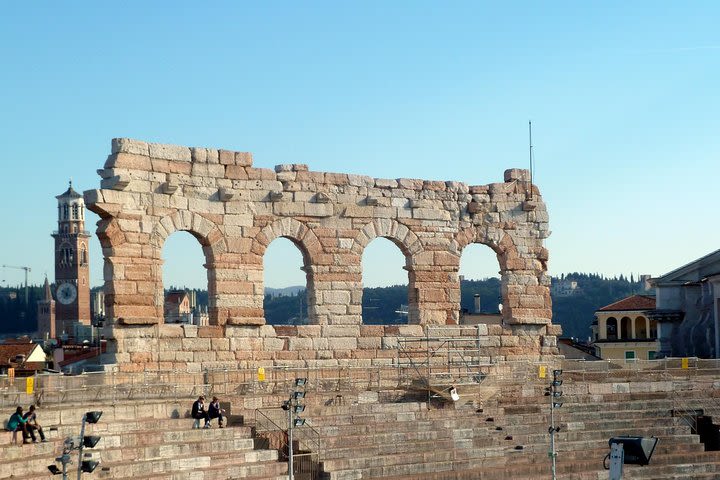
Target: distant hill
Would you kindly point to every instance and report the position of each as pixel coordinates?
(574, 311)
(284, 292)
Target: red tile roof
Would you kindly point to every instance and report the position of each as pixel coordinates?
(634, 302)
(8, 351)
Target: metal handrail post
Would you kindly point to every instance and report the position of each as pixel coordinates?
(82, 443)
(291, 475)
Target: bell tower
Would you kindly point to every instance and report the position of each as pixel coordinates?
(72, 267)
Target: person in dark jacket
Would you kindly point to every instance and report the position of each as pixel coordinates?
(17, 423)
(31, 424)
(198, 411)
(214, 411)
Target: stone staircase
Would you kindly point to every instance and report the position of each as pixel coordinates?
(504, 440)
(146, 440)
(389, 434)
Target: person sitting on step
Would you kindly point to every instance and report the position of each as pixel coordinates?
(214, 411)
(32, 425)
(199, 412)
(17, 423)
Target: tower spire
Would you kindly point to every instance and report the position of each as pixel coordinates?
(46, 290)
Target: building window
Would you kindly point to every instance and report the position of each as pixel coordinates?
(66, 255)
(652, 354)
(66, 212)
(75, 214)
(630, 355)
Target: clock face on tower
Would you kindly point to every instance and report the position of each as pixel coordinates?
(66, 293)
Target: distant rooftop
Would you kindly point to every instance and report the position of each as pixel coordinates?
(634, 302)
(70, 192)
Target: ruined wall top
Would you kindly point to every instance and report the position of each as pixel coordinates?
(148, 191)
(129, 154)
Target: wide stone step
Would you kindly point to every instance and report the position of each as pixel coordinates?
(405, 447)
(259, 463)
(565, 415)
(140, 444)
(380, 439)
(396, 459)
(605, 434)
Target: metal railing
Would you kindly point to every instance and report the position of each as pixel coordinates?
(270, 435)
(445, 355)
(665, 368)
(113, 387)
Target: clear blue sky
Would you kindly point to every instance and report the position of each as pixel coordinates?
(623, 97)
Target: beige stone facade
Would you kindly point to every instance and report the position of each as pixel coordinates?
(149, 191)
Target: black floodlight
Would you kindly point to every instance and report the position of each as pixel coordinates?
(286, 406)
(557, 394)
(93, 417)
(91, 440)
(557, 373)
(557, 404)
(299, 422)
(299, 408)
(88, 466)
(298, 395)
(638, 450)
(54, 469)
(300, 382)
(556, 383)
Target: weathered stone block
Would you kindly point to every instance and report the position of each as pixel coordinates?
(513, 174)
(169, 152)
(127, 145)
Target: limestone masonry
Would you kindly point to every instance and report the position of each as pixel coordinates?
(148, 191)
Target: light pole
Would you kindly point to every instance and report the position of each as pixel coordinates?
(554, 392)
(77, 443)
(293, 407)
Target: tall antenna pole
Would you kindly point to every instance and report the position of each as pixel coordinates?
(531, 158)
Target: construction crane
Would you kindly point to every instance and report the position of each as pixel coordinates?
(27, 269)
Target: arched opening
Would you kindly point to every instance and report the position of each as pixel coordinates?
(386, 299)
(67, 256)
(480, 296)
(612, 328)
(288, 290)
(653, 330)
(185, 295)
(625, 328)
(641, 327)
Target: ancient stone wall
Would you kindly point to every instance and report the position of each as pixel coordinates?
(149, 191)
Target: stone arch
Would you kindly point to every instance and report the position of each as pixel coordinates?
(394, 231)
(500, 241)
(306, 241)
(507, 256)
(295, 231)
(211, 241)
(203, 229)
(411, 247)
